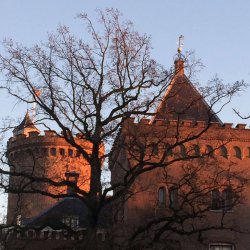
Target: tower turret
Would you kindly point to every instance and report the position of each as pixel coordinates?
(25, 126)
(46, 156)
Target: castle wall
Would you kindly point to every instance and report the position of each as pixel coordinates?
(143, 205)
(49, 157)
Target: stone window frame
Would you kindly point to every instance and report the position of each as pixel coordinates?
(222, 201)
(221, 246)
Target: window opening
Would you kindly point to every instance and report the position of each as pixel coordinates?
(70, 152)
(162, 197)
(71, 221)
(223, 152)
(62, 151)
(227, 196)
(53, 151)
(155, 149)
(237, 152)
(216, 200)
(173, 197)
(210, 151)
(168, 149)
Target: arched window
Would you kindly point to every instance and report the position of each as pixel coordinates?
(183, 150)
(162, 197)
(173, 197)
(196, 150)
(227, 196)
(237, 152)
(222, 200)
(210, 151)
(223, 152)
(216, 200)
(168, 149)
(248, 152)
(155, 150)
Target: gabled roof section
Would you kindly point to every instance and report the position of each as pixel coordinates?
(182, 100)
(25, 126)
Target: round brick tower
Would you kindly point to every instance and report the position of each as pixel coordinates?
(37, 155)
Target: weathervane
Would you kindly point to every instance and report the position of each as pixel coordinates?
(180, 43)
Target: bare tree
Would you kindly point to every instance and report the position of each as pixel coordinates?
(92, 87)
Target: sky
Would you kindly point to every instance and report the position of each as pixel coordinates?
(217, 30)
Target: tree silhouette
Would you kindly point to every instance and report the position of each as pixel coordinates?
(92, 87)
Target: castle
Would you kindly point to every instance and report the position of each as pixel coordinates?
(194, 180)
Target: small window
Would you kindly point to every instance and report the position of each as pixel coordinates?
(183, 151)
(227, 196)
(210, 151)
(162, 197)
(70, 152)
(222, 200)
(168, 149)
(173, 197)
(248, 152)
(237, 152)
(155, 150)
(223, 152)
(71, 221)
(221, 246)
(53, 151)
(62, 151)
(196, 150)
(216, 200)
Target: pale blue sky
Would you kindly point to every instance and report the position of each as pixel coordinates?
(218, 31)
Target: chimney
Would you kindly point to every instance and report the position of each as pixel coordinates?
(72, 177)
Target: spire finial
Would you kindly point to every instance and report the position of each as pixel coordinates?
(179, 58)
(180, 43)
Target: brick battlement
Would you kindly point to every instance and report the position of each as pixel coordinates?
(172, 128)
(50, 138)
(187, 123)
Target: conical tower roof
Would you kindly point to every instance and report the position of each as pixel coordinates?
(182, 101)
(25, 126)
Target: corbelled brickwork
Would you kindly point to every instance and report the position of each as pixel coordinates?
(42, 156)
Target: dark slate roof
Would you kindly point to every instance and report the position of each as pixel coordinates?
(183, 101)
(26, 123)
(68, 207)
